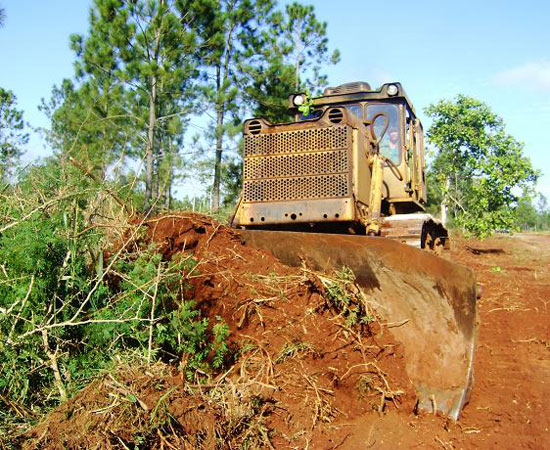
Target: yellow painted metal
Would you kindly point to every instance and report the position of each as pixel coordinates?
(373, 222)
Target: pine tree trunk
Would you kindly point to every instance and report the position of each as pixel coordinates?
(168, 194)
(149, 158)
(218, 161)
(150, 150)
(158, 168)
(222, 77)
(298, 49)
(215, 199)
(297, 74)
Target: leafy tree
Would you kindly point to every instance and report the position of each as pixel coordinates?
(2, 16)
(526, 215)
(542, 203)
(12, 133)
(531, 217)
(477, 165)
(543, 211)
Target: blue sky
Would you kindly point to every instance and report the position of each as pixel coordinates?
(495, 51)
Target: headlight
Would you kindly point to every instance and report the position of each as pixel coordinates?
(392, 89)
(299, 100)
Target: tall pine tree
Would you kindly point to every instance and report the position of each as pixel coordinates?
(233, 28)
(302, 41)
(135, 70)
(13, 135)
(287, 55)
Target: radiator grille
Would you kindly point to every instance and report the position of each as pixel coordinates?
(296, 188)
(297, 165)
(296, 141)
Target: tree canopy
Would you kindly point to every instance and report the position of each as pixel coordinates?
(292, 58)
(231, 36)
(532, 214)
(254, 56)
(145, 69)
(479, 169)
(302, 38)
(132, 92)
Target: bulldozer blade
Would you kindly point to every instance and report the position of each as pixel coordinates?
(433, 298)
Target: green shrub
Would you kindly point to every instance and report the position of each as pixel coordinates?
(67, 312)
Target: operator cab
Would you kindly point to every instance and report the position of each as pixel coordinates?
(391, 143)
(402, 144)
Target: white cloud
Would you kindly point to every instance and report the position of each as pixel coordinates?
(534, 75)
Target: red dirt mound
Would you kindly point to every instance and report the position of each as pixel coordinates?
(302, 374)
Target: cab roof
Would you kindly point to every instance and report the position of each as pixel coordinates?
(359, 91)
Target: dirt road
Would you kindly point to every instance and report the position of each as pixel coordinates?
(511, 403)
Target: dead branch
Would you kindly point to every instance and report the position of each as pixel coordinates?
(54, 366)
(152, 315)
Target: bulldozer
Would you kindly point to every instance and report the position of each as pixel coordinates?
(344, 184)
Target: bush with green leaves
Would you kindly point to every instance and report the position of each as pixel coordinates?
(67, 311)
(478, 168)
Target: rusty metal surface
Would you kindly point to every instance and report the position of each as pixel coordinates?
(297, 164)
(296, 140)
(435, 297)
(297, 188)
(285, 212)
(316, 163)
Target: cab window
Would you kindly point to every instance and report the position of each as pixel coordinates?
(390, 145)
(354, 109)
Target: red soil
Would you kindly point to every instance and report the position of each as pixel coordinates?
(307, 369)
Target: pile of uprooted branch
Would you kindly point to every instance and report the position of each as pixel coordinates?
(277, 391)
(79, 286)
